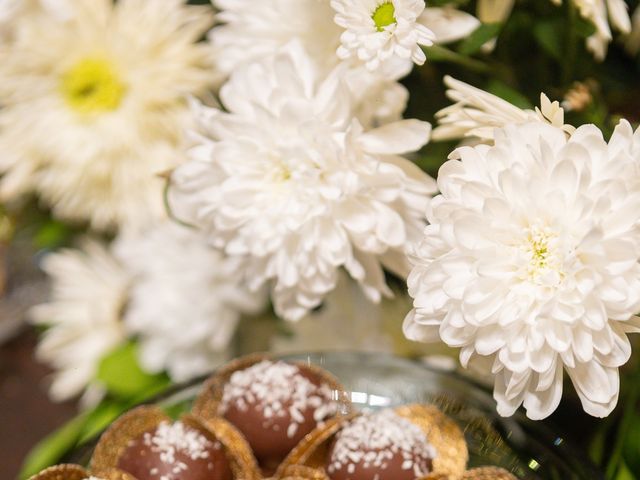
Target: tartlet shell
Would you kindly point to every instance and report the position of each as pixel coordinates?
(62, 472)
(488, 473)
(76, 472)
(444, 434)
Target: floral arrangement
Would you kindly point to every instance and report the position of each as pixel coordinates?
(192, 169)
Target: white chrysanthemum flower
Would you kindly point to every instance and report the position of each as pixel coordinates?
(89, 291)
(288, 180)
(94, 105)
(530, 264)
(185, 300)
(378, 30)
(477, 113)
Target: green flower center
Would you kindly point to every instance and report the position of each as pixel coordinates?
(92, 85)
(384, 15)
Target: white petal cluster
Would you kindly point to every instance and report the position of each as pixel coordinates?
(477, 113)
(89, 291)
(249, 31)
(93, 104)
(178, 297)
(11, 10)
(185, 300)
(288, 180)
(530, 264)
(379, 30)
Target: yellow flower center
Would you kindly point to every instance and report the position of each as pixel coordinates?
(93, 85)
(541, 247)
(384, 15)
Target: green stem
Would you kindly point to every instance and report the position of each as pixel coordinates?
(629, 409)
(571, 45)
(438, 53)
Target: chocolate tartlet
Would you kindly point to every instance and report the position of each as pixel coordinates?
(175, 451)
(274, 405)
(146, 444)
(383, 446)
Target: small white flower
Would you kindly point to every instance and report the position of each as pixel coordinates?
(287, 179)
(378, 30)
(89, 291)
(93, 105)
(185, 300)
(477, 113)
(530, 264)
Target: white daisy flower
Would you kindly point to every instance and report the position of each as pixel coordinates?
(185, 300)
(89, 292)
(377, 30)
(530, 264)
(477, 113)
(93, 105)
(285, 178)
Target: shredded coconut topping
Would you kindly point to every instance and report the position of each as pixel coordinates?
(279, 390)
(371, 441)
(170, 439)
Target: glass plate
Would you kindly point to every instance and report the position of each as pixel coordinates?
(527, 449)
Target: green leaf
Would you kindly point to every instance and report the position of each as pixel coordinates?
(52, 234)
(549, 35)
(624, 473)
(631, 450)
(583, 27)
(481, 35)
(509, 94)
(123, 377)
(50, 450)
(101, 417)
